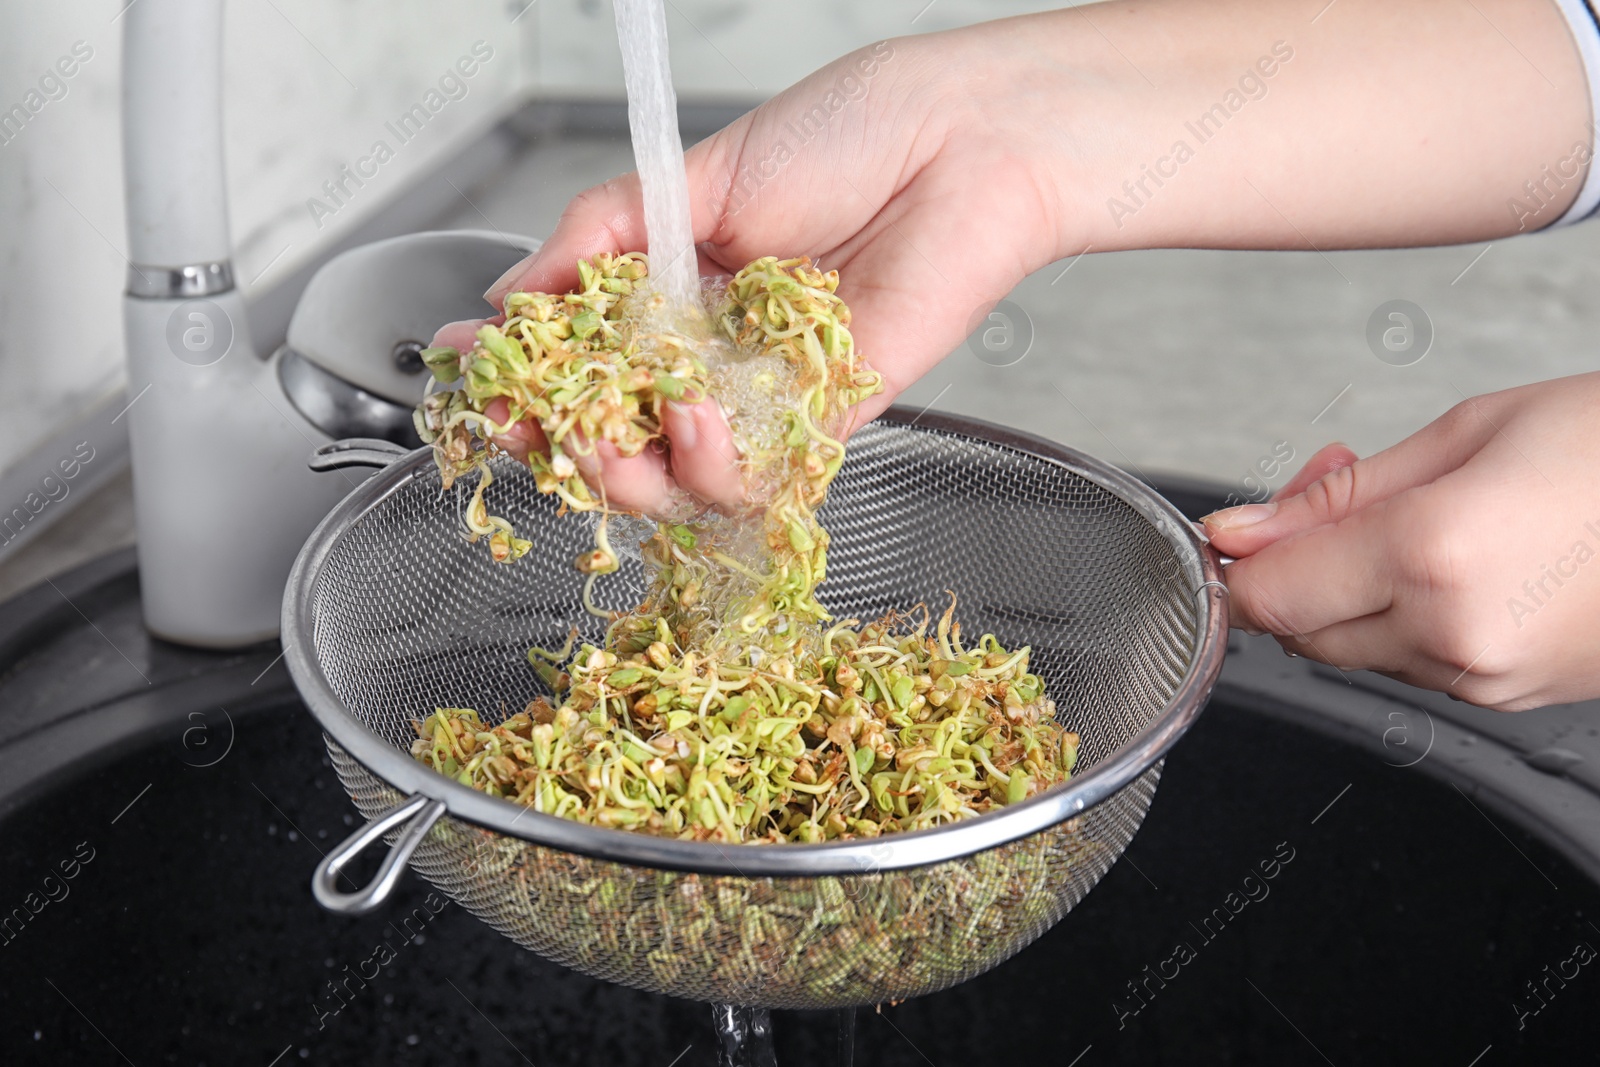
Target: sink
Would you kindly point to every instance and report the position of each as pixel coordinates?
(1306, 889)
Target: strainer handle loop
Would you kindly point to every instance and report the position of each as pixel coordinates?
(422, 812)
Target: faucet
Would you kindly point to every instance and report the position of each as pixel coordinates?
(220, 433)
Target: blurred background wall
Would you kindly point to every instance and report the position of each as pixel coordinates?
(311, 85)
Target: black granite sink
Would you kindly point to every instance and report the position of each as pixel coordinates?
(1289, 900)
(1335, 869)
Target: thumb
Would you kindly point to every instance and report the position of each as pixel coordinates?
(1230, 521)
(609, 217)
(1425, 456)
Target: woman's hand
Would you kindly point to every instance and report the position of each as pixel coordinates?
(1465, 559)
(897, 165)
(935, 172)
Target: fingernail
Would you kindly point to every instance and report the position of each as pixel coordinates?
(686, 432)
(496, 293)
(1240, 517)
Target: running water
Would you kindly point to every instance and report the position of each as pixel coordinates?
(756, 391)
(657, 150)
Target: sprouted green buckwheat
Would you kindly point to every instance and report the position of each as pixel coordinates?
(728, 706)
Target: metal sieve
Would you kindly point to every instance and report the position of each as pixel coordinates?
(389, 613)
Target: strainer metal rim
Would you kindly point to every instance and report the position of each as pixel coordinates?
(892, 852)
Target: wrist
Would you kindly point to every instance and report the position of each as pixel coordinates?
(1046, 98)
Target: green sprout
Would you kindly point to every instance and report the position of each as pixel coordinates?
(729, 705)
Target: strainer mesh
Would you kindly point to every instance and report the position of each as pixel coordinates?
(407, 617)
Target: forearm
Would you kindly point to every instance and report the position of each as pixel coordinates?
(1245, 124)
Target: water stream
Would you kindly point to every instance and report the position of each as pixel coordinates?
(657, 149)
(674, 273)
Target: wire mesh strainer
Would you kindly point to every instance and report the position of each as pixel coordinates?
(389, 614)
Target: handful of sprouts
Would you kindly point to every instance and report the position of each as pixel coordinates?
(729, 705)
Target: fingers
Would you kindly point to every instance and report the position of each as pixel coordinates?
(1370, 643)
(704, 459)
(701, 460)
(609, 217)
(1431, 453)
(1386, 642)
(629, 483)
(606, 218)
(524, 437)
(462, 335)
(1328, 459)
(1316, 579)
